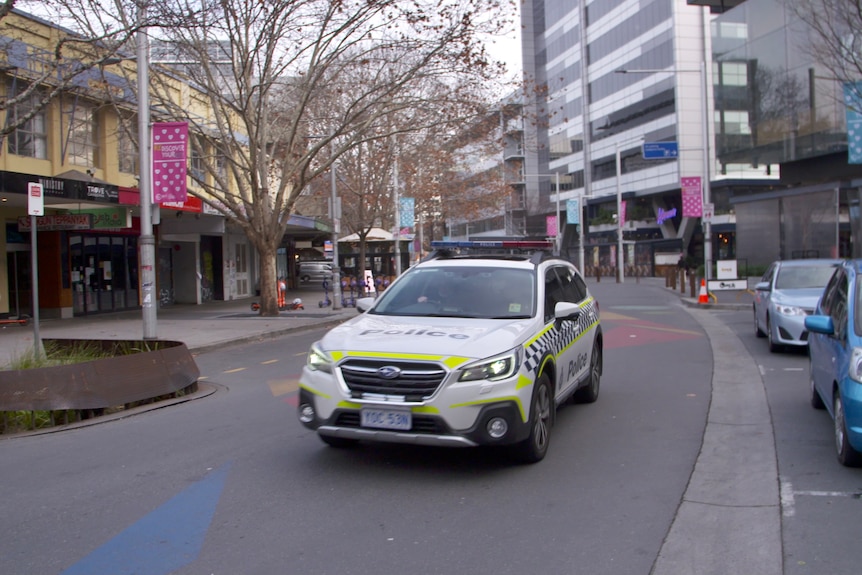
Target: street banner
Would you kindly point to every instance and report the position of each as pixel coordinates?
(853, 113)
(692, 198)
(406, 212)
(573, 212)
(170, 157)
(551, 226)
(622, 214)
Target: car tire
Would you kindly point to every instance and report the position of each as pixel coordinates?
(590, 392)
(757, 331)
(305, 279)
(773, 347)
(816, 400)
(847, 456)
(338, 442)
(534, 448)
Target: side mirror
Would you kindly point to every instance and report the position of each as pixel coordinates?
(364, 304)
(567, 311)
(820, 324)
(761, 286)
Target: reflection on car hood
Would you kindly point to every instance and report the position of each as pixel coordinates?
(439, 336)
(805, 297)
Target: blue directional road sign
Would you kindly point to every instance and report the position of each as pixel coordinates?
(660, 150)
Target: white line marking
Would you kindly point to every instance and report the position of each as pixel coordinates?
(788, 501)
(793, 369)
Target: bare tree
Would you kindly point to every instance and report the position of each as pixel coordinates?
(286, 87)
(834, 34)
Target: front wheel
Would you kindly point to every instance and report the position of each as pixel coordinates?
(757, 331)
(534, 448)
(847, 455)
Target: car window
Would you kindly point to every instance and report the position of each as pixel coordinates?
(574, 289)
(800, 277)
(462, 291)
(839, 309)
(554, 292)
(767, 275)
(828, 297)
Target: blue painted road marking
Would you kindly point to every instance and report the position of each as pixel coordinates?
(162, 541)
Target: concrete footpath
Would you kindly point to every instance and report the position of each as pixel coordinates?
(729, 520)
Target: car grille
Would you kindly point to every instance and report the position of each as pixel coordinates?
(415, 381)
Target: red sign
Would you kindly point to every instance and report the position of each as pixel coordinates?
(170, 147)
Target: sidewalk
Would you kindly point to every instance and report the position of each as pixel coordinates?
(201, 327)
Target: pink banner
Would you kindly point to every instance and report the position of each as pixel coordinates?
(170, 153)
(692, 198)
(551, 226)
(622, 214)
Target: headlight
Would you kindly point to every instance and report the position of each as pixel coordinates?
(318, 360)
(855, 368)
(789, 309)
(494, 369)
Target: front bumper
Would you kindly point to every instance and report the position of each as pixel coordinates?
(789, 329)
(458, 424)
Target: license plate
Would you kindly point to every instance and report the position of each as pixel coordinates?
(386, 418)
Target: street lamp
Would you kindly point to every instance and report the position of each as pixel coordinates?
(336, 224)
(704, 101)
(147, 248)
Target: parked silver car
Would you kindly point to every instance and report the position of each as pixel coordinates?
(787, 292)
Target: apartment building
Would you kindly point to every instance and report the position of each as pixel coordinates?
(614, 76)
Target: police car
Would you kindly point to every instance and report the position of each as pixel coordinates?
(463, 349)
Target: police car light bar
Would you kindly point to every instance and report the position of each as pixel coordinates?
(523, 245)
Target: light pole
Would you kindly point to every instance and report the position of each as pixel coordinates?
(147, 248)
(620, 260)
(704, 105)
(336, 224)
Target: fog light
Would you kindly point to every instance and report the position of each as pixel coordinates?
(497, 427)
(306, 413)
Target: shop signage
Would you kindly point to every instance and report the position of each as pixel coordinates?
(57, 222)
(109, 218)
(64, 188)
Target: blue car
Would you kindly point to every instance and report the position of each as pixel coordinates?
(835, 352)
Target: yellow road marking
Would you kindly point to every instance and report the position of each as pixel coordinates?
(234, 370)
(269, 362)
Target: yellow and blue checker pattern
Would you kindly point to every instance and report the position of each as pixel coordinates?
(555, 341)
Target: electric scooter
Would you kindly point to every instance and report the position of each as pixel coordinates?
(326, 301)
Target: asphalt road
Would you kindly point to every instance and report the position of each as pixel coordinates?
(232, 484)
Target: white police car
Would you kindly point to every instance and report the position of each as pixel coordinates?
(461, 350)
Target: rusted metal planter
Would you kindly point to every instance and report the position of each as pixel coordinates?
(102, 383)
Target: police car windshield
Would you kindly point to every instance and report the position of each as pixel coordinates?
(461, 291)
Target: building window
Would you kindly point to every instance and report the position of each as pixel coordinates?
(81, 145)
(127, 150)
(197, 164)
(734, 74)
(30, 138)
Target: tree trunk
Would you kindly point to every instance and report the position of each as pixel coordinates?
(268, 282)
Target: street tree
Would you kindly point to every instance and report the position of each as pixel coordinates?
(286, 87)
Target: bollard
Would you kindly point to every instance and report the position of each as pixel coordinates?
(682, 282)
(693, 282)
(598, 274)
